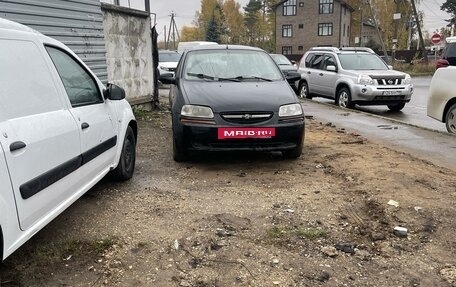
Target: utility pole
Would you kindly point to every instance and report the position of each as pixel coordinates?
(173, 28)
(396, 18)
(417, 19)
(361, 23)
(166, 42)
(376, 26)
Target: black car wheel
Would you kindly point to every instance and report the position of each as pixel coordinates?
(304, 91)
(180, 152)
(126, 166)
(396, 107)
(293, 153)
(343, 98)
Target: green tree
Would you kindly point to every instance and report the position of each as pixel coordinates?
(449, 6)
(234, 23)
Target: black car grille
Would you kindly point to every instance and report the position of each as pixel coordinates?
(388, 81)
(246, 118)
(389, 98)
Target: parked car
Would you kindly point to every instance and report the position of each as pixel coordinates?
(61, 131)
(285, 66)
(442, 100)
(353, 76)
(234, 98)
(448, 54)
(167, 64)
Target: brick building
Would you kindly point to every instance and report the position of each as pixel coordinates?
(302, 24)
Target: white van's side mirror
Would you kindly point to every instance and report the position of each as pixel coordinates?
(114, 92)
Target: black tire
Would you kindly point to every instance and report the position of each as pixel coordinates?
(180, 153)
(293, 153)
(343, 98)
(126, 167)
(303, 91)
(450, 119)
(396, 107)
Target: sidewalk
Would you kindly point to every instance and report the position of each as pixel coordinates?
(433, 146)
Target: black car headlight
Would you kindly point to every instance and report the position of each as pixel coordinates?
(291, 110)
(197, 112)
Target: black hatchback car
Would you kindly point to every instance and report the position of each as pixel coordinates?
(234, 98)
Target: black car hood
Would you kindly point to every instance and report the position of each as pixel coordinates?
(239, 96)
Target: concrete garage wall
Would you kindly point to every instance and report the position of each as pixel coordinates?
(129, 51)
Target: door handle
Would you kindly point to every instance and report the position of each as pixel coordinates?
(321, 74)
(84, 126)
(309, 73)
(17, 145)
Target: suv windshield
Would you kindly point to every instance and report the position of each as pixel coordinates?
(361, 61)
(239, 65)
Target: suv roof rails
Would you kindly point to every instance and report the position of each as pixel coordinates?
(357, 49)
(331, 49)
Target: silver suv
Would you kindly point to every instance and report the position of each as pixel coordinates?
(352, 76)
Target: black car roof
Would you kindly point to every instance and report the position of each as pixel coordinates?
(224, 47)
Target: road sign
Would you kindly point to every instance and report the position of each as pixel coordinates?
(436, 38)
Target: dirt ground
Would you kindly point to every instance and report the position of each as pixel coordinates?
(325, 219)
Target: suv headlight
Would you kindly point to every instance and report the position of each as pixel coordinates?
(407, 80)
(197, 112)
(365, 80)
(290, 110)
(164, 68)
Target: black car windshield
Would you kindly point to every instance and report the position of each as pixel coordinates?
(222, 65)
(281, 59)
(360, 61)
(168, 57)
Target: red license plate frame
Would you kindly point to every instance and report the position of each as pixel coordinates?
(245, 133)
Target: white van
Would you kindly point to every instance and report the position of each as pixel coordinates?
(182, 46)
(61, 131)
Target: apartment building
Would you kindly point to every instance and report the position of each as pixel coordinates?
(302, 24)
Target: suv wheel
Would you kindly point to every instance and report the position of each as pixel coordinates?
(450, 119)
(343, 98)
(304, 91)
(396, 107)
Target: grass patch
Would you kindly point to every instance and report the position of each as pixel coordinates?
(155, 117)
(280, 232)
(57, 251)
(417, 69)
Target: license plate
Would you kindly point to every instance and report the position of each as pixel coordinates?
(391, 93)
(245, 133)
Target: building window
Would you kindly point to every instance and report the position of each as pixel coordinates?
(301, 26)
(287, 31)
(326, 6)
(325, 29)
(301, 4)
(300, 48)
(287, 50)
(289, 8)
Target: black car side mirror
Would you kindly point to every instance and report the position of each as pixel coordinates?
(293, 77)
(171, 81)
(114, 92)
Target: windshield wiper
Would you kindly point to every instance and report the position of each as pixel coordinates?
(204, 76)
(201, 76)
(252, 77)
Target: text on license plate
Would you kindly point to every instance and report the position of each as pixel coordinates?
(391, 93)
(243, 133)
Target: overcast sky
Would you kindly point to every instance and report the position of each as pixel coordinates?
(185, 12)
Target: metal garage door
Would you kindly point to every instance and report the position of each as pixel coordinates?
(77, 23)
